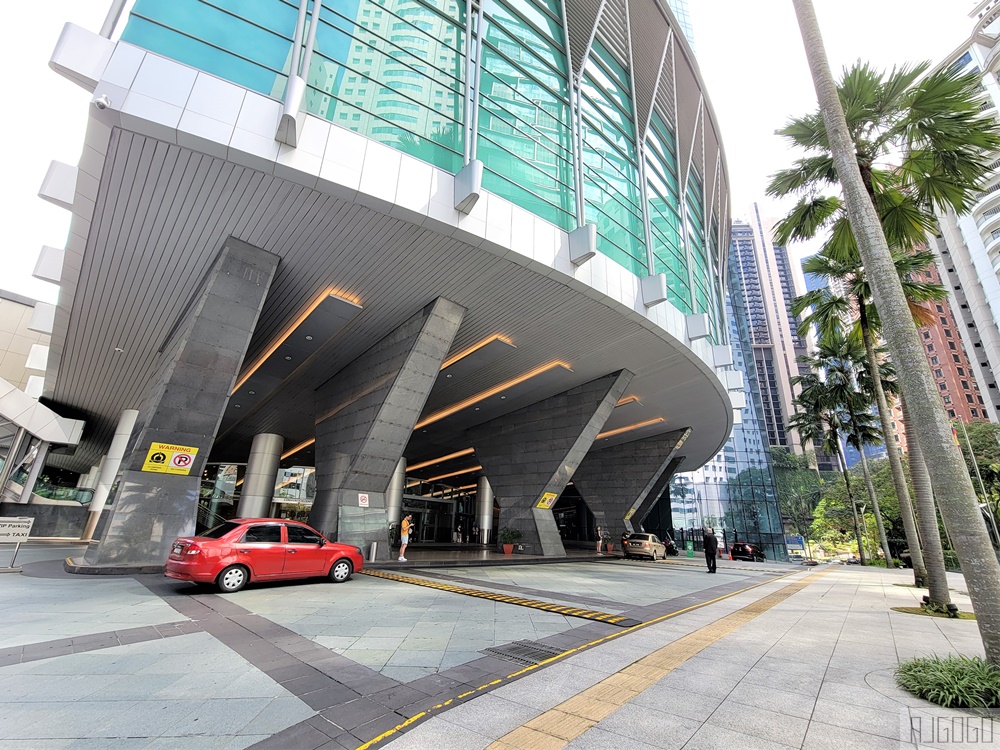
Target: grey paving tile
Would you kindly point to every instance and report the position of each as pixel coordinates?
(644, 725)
(354, 713)
(277, 715)
(856, 715)
(772, 699)
(672, 700)
(757, 722)
(596, 738)
(822, 736)
(440, 735)
(713, 737)
(490, 715)
(219, 716)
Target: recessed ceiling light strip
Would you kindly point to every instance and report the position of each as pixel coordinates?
(476, 347)
(629, 428)
(454, 408)
(433, 461)
(310, 309)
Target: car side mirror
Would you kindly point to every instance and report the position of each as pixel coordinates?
(321, 542)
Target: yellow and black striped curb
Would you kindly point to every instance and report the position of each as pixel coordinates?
(559, 609)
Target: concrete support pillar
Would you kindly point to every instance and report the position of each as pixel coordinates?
(656, 491)
(36, 468)
(262, 471)
(394, 494)
(365, 417)
(484, 510)
(531, 454)
(614, 481)
(110, 466)
(183, 406)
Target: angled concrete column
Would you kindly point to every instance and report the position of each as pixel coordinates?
(535, 451)
(484, 510)
(614, 481)
(364, 417)
(110, 465)
(656, 491)
(262, 471)
(183, 406)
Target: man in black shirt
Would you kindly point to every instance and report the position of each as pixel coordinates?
(711, 543)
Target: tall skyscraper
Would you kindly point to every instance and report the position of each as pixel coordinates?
(735, 492)
(763, 276)
(968, 245)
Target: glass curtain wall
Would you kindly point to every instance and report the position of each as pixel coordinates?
(394, 71)
(610, 161)
(525, 140)
(665, 222)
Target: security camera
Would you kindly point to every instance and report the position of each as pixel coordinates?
(102, 102)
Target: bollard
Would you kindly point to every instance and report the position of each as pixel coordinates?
(373, 553)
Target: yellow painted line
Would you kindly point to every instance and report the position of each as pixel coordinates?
(559, 726)
(514, 675)
(585, 614)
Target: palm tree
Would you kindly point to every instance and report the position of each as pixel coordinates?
(833, 386)
(839, 259)
(819, 423)
(951, 154)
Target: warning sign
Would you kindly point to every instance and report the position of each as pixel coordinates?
(547, 501)
(362, 499)
(631, 512)
(166, 458)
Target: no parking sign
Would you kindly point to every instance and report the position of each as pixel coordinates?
(167, 458)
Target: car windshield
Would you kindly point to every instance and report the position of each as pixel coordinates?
(220, 531)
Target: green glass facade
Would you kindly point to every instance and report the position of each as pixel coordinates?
(396, 71)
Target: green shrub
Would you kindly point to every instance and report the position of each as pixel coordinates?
(952, 681)
(507, 535)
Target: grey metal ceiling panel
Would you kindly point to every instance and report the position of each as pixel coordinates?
(161, 216)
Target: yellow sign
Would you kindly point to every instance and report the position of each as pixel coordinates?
(630, 513)
(547, 501)
(166, 458)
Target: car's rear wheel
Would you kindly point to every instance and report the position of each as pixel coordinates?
(232, 579)
(341, 570)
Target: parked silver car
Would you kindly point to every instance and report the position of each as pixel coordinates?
(644, 545)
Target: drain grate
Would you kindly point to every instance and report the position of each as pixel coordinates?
(527, 653)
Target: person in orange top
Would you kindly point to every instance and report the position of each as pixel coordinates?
(404, 536)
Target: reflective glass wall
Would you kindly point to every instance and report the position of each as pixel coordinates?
(735, 492)
(398, 72)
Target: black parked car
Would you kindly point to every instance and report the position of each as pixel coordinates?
(744, 551)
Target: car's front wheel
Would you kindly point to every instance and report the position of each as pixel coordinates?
(341, 570)
(232, 579)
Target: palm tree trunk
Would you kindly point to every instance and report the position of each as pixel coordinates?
(895, 465)
(929, 423)
(883, 540)
(854, 506)
(937, 576)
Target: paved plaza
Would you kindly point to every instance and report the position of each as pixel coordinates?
(592, 653)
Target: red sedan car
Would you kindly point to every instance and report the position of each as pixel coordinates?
(260, 549)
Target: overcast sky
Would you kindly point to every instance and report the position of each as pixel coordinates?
(749, 51)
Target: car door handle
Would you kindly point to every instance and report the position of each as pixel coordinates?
(244, 552)
(291, 552)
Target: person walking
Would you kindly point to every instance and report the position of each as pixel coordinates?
(404, 536)
(711, 542)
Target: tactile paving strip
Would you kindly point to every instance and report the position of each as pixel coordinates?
(560, 609)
